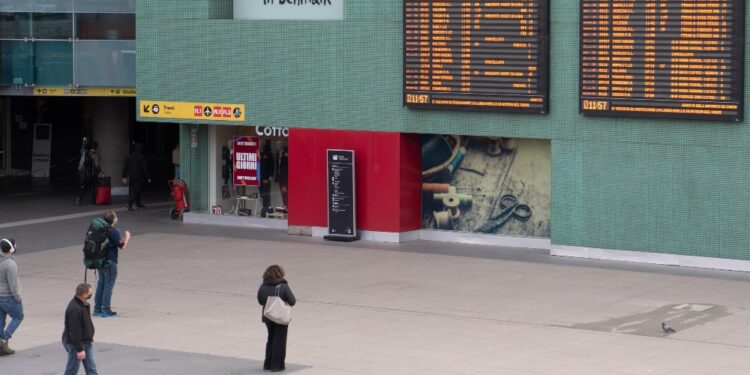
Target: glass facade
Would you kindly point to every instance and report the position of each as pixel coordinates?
(67, 42)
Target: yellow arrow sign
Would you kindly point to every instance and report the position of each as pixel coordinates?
(192, 111)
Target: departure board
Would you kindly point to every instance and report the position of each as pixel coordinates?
(662, 58)
(476, 55)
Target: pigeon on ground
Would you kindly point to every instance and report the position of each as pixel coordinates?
(667, 328)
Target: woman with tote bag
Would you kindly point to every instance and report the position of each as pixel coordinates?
(275, 292)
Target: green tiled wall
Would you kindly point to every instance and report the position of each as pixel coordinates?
(194, 164)
(633, 184)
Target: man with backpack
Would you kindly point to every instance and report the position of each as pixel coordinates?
(105, 258)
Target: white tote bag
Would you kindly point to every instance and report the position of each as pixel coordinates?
(277, 310)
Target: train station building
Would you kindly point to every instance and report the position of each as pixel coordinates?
(528, 124)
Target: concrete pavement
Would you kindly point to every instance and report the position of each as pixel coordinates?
(186, 295)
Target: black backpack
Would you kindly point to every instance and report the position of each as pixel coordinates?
(94, 246)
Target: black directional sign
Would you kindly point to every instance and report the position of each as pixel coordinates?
(342, 223)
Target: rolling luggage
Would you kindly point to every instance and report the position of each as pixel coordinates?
(103, 192)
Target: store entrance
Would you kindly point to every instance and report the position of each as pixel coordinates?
(254, 185)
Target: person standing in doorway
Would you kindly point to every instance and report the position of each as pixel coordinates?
(108, 273)
(10, 295)
(176, 161)
(78, 336)
(135, 174)
(266, 172)
(273, 279)
(282, 174)
(89, 168)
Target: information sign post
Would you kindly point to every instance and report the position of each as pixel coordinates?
(342, 212)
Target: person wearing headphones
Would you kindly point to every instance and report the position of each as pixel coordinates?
(108, 274)
(10, 295)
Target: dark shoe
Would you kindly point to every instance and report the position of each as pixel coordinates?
(78, 201)
(140, 205)
(5, 349)
(277, 369)
(130, 207)
(107, 314)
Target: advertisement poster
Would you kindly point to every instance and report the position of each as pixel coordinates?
(486, 185)
(245, 161)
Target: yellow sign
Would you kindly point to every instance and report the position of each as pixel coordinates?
(84, 91)
(192, 111)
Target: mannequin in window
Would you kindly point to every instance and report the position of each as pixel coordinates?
(282, 172)
(266, 173)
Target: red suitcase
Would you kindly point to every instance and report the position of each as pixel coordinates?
(103, 195)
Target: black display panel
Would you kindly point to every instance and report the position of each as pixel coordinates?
(662, 58)
(341, 194)
(477, 55)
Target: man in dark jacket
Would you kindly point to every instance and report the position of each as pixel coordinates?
(282, 173)
(78, 336)
(266, 173)
(135, 174)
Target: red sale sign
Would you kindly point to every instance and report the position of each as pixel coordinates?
(245, 161)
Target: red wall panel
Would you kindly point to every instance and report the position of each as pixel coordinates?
(387, 172)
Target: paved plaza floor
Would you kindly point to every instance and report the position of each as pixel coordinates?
(186, 298)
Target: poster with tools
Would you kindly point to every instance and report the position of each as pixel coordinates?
(489, 185)
(245, 161)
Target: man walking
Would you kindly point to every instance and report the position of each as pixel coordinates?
(135, 174)
(10, 295)
(78, 336)
(108, 273)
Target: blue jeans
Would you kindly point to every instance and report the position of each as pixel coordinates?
(9, 306)
(104, 287)
(71, 368)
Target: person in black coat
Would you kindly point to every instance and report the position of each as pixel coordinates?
(135, 174)
(267, 165)
(78, 336)
(276, 344)
(282, 174)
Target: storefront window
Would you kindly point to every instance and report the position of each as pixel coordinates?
(16, 62)
(53, 63)
(106, 26)
(268, 195)
(36, 5)
(51, 5)
(15, 25)
(52, 25)
(105, 63)
(105, 6)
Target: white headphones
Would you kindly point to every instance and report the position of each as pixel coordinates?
(12, 248)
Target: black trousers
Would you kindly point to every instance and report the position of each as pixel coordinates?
(134, 191)
(265, 195)
(86, 186)
(275, 346)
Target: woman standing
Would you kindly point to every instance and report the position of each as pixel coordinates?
(273, 280)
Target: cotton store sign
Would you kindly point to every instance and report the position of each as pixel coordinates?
(315, 10)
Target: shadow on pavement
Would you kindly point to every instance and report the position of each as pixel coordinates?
(112, 359)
